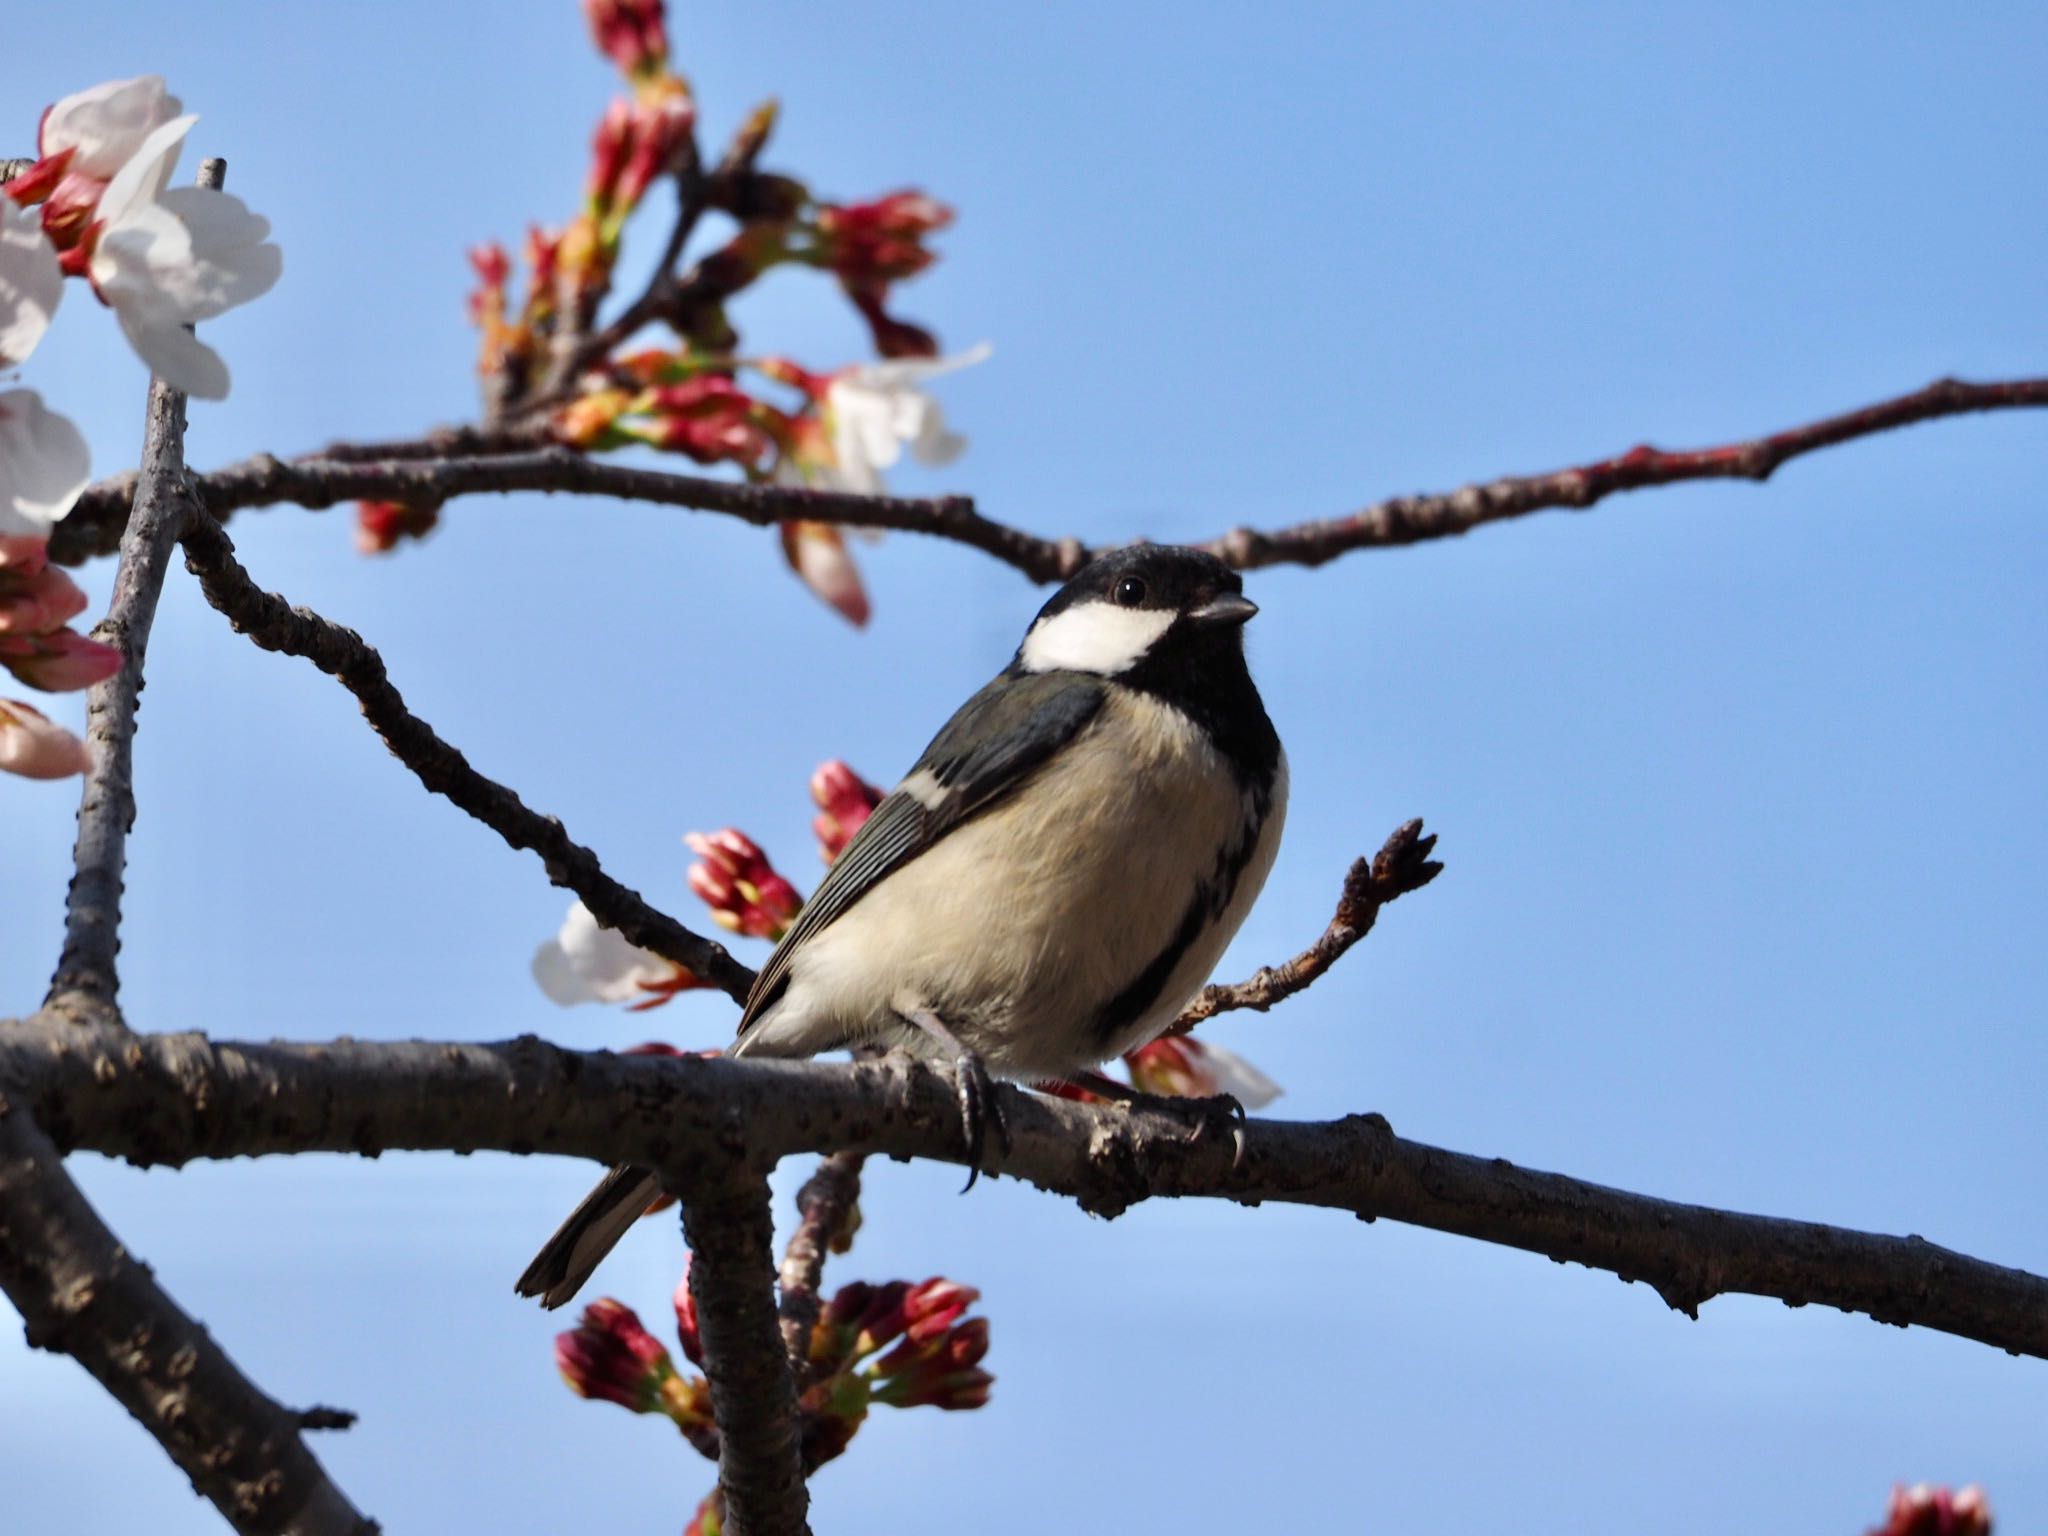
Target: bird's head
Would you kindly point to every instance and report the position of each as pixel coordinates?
(1143, 602)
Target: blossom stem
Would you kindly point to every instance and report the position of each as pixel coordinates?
(106, 811)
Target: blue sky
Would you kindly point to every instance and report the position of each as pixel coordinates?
(1739, 787)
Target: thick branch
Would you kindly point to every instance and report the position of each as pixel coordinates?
(276, 626)
(1412, 519)
(824, 1205)
(727, 1224)
(1402, 865)
(155, 1099)
(80, 1292)
(106, 810)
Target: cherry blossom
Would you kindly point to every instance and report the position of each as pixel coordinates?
(874, 410)
(586, 963)
(104, 126)
(166, 257)
(1184, 1067)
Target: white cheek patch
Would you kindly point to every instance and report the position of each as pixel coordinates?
(1094, 637)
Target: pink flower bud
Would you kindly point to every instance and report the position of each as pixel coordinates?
(845, 802)
(933, 1307)
(36, 747)
(382, 525)
(1926, 1510)
(611, 1357)
(686, 1319)
(735, 879)
(38, 601)
(818, 554)
(630, 33)
(23, 555)
(60, 662)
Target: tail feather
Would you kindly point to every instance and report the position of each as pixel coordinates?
(593, 1229)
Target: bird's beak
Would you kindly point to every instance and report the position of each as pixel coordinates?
(1224, 608)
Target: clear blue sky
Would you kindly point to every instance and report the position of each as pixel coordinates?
(1740, 788)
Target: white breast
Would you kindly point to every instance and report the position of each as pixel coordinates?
(1020, 970)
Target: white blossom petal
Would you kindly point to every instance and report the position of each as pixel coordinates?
(31, 282)
(143, 176)
(107, 124)
(232, 263)
(167, 259)
(44, 464)
(585, 963)
(1234, 1075)
(175, 355)
(876, 409)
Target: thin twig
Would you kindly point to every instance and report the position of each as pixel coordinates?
(171, 1098)
(321, 481)
(341, 653)
(83, 1294)
(1402, 865)
(267, 481)
(1412, 519)
(106, 809)
(727, 1224)
(824, 1205)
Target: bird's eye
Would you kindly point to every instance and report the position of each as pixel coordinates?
(1130, 592)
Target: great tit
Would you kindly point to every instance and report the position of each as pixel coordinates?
(1054, 880)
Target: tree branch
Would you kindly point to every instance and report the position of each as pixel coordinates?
(1413, 519)
(824, 1205)
(170, 1098)
(80, 1292)
(276, 626)
(106, 810)
(1402, 865)
(471, 463)
(727, 1224)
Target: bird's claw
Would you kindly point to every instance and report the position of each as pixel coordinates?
(1206, 1113)
(979, 1109)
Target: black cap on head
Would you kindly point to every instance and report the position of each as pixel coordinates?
(1169, 578)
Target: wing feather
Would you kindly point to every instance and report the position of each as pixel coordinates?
(990, 747)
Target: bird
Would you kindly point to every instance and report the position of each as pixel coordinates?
(1051, 883)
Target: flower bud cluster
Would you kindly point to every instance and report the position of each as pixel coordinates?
(1927, 1510)
(609, 1356)
(546, 361)
(37, 644)
(734, 878)
(845, 802)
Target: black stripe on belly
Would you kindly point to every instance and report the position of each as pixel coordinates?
(1130, 1005)
(1212, 899)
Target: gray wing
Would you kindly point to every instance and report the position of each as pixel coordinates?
(990, 747)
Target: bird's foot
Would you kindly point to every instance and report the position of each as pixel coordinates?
(980, 1106)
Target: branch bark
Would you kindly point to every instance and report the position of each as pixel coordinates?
(824, 1204)
(341, 653)
(171, 1098)
(1402, 865)
(406, 472)
(1413, 519)
(80, 1292)
(727, 1224)
(106, 810)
